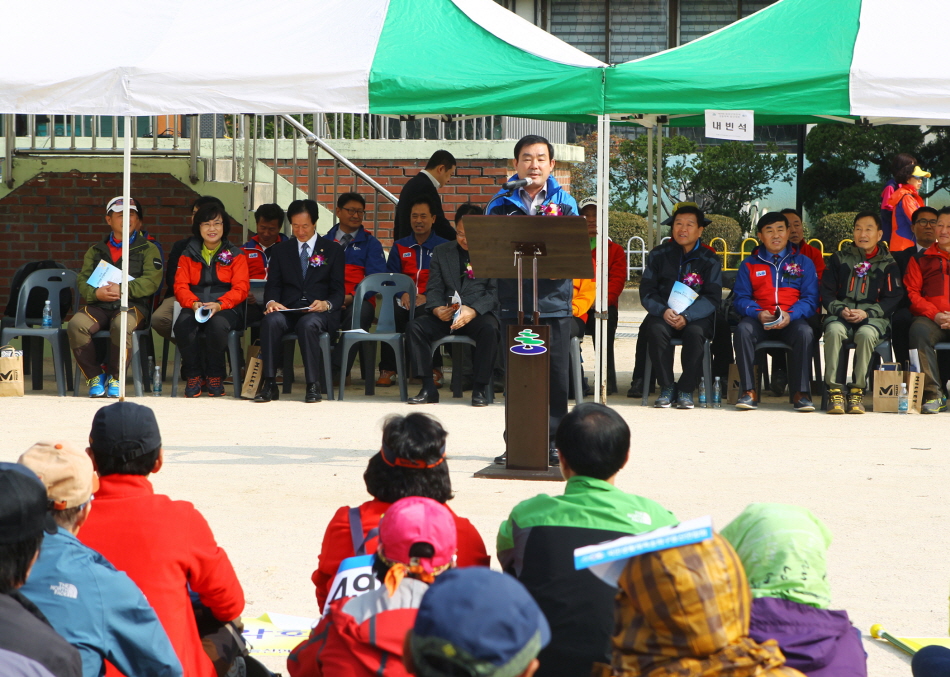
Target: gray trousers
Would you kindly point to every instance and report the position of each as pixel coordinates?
(865, 338)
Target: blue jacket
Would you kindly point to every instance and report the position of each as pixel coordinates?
(554, 296)
(98, 610)
(413, 259)
(364, 256)
(762, 284)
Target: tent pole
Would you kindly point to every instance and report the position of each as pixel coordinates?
(649, 243)
(124, 298)
(659, 178)
(600, 303)
(799, 168)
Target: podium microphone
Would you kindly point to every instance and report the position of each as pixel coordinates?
(516, 184)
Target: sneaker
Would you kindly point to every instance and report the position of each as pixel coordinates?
(193, 387)
(934, 406)
(437, 378)
(684, 401)
(802, 402)
(97, 385)
(856, 401)
(747, 401)
(386, 378)
(112, 389)
(215, 386)
(665, 400)
(835, 401)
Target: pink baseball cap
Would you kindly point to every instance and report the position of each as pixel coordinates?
(418, 520)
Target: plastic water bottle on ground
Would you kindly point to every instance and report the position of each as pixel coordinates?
(902, 400)
(156, 373)
(47, 315)
(717, 394)
(702, 392)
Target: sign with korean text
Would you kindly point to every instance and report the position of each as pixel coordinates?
(734, 125)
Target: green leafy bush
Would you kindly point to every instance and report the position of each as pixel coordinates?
(624, 225)
(725, 227)
(834, 228)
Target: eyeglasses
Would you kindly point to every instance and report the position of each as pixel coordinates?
(354, 212)
(925, 222)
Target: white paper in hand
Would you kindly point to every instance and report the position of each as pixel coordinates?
(681, 298)
(105, 274)
(456, 301)
(203, 314)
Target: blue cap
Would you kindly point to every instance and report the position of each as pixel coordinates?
(481, 622)
(23, 505)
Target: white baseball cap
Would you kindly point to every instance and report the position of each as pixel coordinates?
(116, 204)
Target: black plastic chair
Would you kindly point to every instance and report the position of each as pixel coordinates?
(326, 367)
(781, 345)
(53, 281)
(456, 342)
(389, 286)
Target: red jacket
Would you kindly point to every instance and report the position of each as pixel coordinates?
(927, 280)
(338, 544)
(165, 547)
(360, 636)
(815, 255)
(257, 257)
(228, 283)
(616, 271)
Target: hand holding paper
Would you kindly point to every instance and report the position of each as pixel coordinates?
(681, 298)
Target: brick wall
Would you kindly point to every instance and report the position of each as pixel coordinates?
(475, 181)
(60, 215)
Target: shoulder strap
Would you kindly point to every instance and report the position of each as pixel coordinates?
(356, 532)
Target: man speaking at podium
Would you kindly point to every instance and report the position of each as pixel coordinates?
(536, 192)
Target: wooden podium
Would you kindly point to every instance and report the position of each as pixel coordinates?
(556, 247)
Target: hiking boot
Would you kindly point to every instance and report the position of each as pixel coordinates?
(856, 401)
(835, 401)
(636, 388)
(665, 400)
(193, 387)
(215, 386)
(802, 402)
(934, 406)
(97, 385)
(386, 378)
(684, 401)
(747, 401)
(112, 388)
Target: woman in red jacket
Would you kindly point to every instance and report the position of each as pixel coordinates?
(410, 463)
(212, 277)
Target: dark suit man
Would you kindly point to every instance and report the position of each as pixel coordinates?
(438, 172)
(304, 272)
(924, 225)
(450, 272)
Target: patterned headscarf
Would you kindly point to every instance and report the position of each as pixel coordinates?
(684, 612)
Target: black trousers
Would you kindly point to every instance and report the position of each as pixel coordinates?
(188, 332)
(591, 330)
(367, 312)
(658, 334)
(308, 327)
(559, 347)
(722, 348)
(577, 328)
(425, 329)
(798, 334)
(387, 356)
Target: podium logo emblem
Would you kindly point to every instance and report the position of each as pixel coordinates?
(529, 343)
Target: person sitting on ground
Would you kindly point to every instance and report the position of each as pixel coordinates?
(476, 622)
(270, 220)
(94, 607)
(682, 259)
(775, 293)
(783, 551)
(904, 202)
(685, 611)
(451, 273)
(166, 547)
(29, 646)
(212, 278)
(536, 543)
(927, 280)
(364, 256)
(411, 462)
(925, 223)
(363, 636)
(860, 291)
(100, 310)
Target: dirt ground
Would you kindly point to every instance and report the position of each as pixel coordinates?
(269, 477)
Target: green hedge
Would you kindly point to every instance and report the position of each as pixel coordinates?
(834, 228)
(624, 225)
(725, 227)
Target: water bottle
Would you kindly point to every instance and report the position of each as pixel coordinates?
(902, 400)
(702, 392)
(156, 378)
(717, 394)
(47, 315)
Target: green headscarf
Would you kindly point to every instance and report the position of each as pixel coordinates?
(782, 548)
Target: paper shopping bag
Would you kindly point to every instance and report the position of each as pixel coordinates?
(254, 373)
(11, 372)
(886, 389)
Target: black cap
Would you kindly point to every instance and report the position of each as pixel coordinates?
(125, 422)
(23, 505)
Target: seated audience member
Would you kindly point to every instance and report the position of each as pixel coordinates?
(783, 551)
(925, 222)
(776, 292)
(29, 646)
(212, 278)
(536, 543)
(796, 236)
(476, 622)
(269, 219)
(860, 291)
(904, 202)
(166, 547)
(411, 462)
(451, 272)
(363, 636)
(163, 317)
(682, 259)
(927, 280)
(99, 309)
(364, 256)
(685, 611)
(412, 256)
(616, 279)
(94, 607)
(305, 272)
(931, 661)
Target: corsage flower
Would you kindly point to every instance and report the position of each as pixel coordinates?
(693, 280)
(317, 260)
(550, 209)
(225, 257)
(862, 269)
(792, 270)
